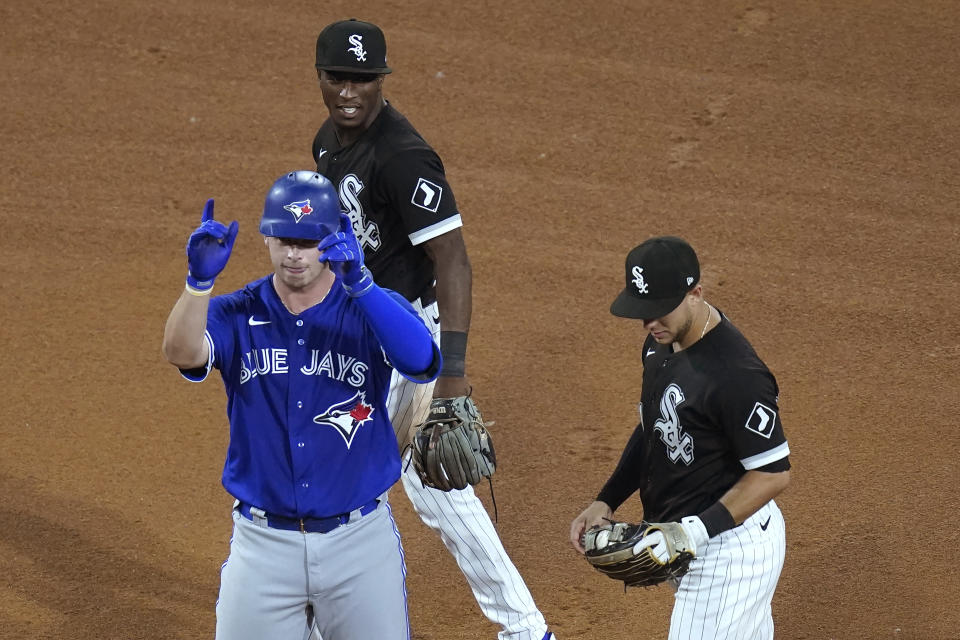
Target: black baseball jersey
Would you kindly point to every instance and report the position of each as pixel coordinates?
(707, 414)
(393, 185)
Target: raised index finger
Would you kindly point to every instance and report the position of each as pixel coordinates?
(346, 224)
(207, 211)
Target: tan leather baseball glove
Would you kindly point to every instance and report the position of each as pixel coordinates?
(452, 448)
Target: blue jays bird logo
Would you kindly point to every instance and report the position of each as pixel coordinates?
(299, 209)
(346, 417)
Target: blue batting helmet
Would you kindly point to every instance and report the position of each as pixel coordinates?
(301, 204)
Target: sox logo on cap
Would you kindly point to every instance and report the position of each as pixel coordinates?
(638, 280)
(357, 49)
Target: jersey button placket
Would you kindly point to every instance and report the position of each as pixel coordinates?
(298, 384)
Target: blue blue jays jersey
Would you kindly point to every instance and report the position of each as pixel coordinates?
(306, 399)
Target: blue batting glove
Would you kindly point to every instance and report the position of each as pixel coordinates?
(343, 253)
(208, 250)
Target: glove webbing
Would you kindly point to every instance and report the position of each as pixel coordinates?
(493, 498)
(642, 569)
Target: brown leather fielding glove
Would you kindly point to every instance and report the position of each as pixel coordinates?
(452, 448)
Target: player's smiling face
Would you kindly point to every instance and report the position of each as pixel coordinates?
(296, 262)
(353, 99)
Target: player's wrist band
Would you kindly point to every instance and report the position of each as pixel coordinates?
(199, 287)
(361, 286)
(717, 519)
(453, 349)
(195, 292)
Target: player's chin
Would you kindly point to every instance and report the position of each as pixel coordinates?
(295, 276)
(347, 120)
(290, 273)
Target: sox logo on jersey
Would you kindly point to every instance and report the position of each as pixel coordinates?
(367, 232)
(679, 444)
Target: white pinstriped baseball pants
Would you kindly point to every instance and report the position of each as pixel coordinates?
(726, 595)
(462, 521)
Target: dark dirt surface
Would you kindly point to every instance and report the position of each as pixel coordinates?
(808, 150)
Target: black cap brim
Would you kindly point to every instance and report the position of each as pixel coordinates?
(360, 72)
(628, 305)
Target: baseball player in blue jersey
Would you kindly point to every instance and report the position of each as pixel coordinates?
(306, 355)
(709, 452)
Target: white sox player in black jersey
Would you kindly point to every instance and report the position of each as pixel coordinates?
(393, 186)
(709, 451)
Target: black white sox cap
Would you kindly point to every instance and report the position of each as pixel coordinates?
(660, 272)
(352, 46)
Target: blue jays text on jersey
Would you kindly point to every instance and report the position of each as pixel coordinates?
(337, 366)
(309, 432)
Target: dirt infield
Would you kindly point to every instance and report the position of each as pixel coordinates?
(808, 150)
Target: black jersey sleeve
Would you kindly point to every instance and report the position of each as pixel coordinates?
(747, 407)
(415, 183)
(323, 143)
(625, 478)
(315, 147)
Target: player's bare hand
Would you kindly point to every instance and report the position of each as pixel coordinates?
(595, 515)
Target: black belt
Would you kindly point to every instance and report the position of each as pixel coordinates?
(306, 525)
